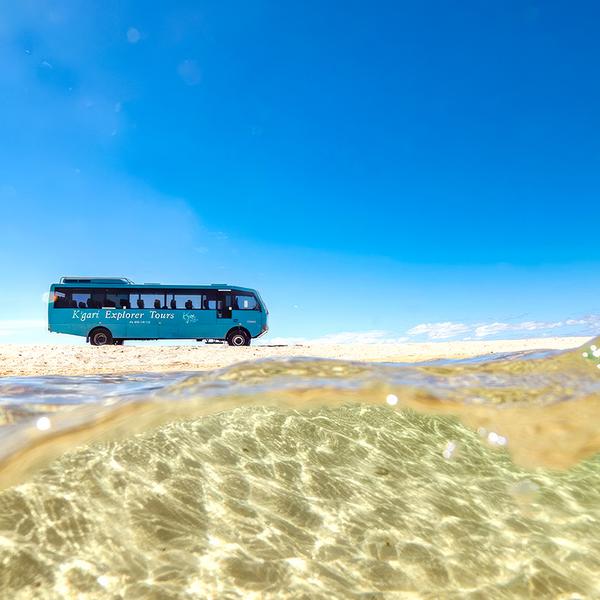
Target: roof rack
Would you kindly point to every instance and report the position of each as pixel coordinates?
(107, 280)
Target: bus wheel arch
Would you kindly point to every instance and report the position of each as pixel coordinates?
(238, 336)
(100, 336)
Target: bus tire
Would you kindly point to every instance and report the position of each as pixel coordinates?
(238, 337)
(118, 342)
(100, 337)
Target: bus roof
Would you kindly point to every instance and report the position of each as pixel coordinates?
(102, 280)
(124, 282)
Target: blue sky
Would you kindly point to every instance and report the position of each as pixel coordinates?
(391, 170)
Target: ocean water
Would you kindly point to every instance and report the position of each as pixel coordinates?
(307, 479)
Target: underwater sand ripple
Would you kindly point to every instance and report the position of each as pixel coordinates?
(301, 479)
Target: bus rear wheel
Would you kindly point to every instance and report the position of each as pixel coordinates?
(238, 337)
(100, 337)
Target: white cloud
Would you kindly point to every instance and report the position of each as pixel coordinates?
(490, 329)
(449, 329)
(589, 320)
(373, 336)
(493, 328)
(439, 331)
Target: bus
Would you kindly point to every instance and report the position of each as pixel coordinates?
(114, 309)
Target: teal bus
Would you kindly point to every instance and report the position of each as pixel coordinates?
(112, 310)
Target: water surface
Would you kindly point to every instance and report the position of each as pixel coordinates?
(305, 478)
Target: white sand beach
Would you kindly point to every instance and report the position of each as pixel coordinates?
(25, 360)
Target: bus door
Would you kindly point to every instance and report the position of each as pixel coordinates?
(247, 312)
(224, 311)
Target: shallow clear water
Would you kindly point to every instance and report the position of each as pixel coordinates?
(305, 479)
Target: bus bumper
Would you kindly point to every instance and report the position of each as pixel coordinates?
(264, 330)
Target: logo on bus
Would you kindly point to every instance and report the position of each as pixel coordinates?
(121, 315)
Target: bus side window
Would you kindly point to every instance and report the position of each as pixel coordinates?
(209, 300)
(60, 299)
(151, 299)
(98, 298)
(81, 297)
(134, 299)
(117, 299)
(189, 300)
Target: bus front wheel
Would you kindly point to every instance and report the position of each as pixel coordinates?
(100, 337)
(238, 337)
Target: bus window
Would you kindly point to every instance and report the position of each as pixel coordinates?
(209, 300)
(117, 299)
(96, 299)
(245, 301)
(134, 299)
(81, 298)
(153, 299)
(66, 298)
(60, 299)
(186, 300)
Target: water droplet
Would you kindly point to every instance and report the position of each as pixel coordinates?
(133, 35)
(524, 489)
(189, 71)
(43, 423)
(495, 439)
(449, 450)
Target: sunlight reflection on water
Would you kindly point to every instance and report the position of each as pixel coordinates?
(305, 478)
